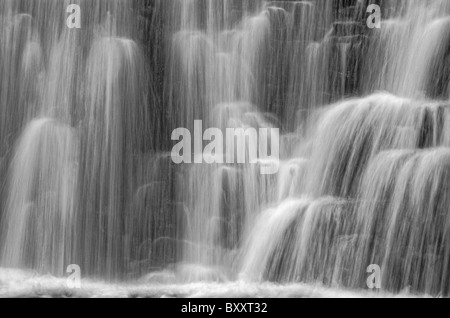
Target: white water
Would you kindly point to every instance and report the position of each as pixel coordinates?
(87, 178)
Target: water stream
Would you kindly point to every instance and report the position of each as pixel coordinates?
(87, 178)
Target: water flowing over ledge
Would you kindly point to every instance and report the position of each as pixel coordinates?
(86, 173)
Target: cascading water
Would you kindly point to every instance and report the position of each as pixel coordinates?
(85, 142)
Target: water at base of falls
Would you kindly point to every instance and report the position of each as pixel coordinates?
(87, 178)
(14, 283)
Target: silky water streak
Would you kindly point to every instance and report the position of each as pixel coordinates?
(316, 148)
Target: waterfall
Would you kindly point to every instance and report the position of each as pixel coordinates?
(86, 162)
(41, 203)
